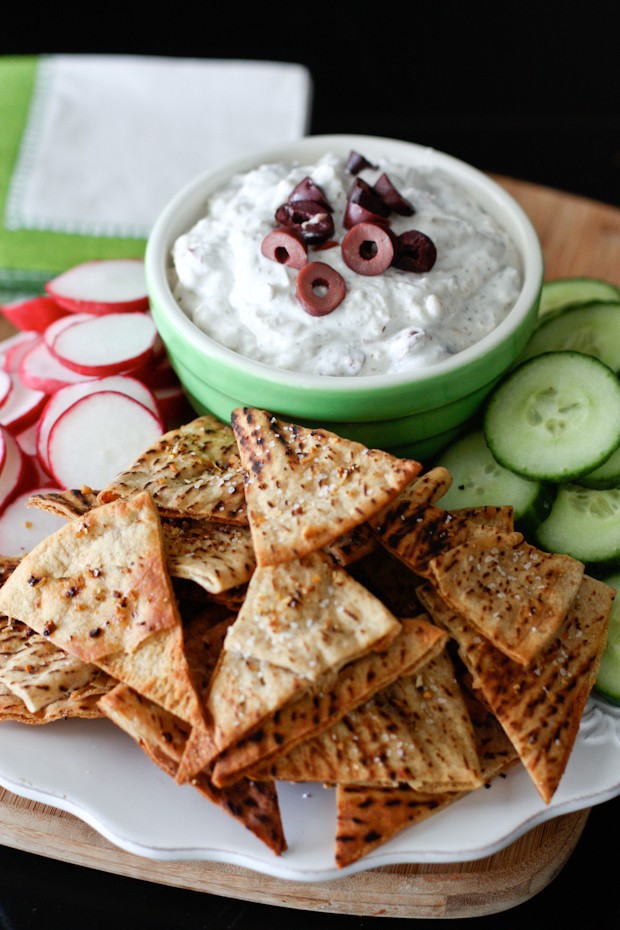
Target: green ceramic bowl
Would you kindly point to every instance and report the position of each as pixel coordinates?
(413, 414)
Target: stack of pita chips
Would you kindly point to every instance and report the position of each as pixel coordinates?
(262, 602)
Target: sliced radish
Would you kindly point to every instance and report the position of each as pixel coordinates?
(106, 286)
(41, 371)
(6, 384)
(107, 344)
(57, 326)
(27, 438)
(22, 527)
(13, 349)
(22, 407)
(98, 437)
(64, 398)
(174, 407)
(13, 469)
(33, 314)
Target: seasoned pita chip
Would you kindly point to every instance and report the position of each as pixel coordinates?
(218, 557)
(309, 616)
(307, 487)
(192, 471)
(353, 546)
(99, 589)
(417, 731)
(315, 711)
(539, 706)
(514, 594)
(39, 673)
(162, 736)
(367, 817)
(69, 504)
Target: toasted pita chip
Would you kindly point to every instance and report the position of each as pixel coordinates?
(353, 546)
(317, 710)
(514, 594)
(98, 588)
(219, 557)
(417, 731)
(162, 736)
(191, 471)
(540, 705)
(367, 817)
(69, 504)
(39, 673)
(307, 487)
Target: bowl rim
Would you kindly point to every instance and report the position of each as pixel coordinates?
(189, 200)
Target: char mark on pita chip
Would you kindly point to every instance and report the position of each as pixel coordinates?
(306, 487)
(72, 503)
(162, 738)
(540, 705)
(191, 471)
(217, 556)
(513, 593)
(318, 709)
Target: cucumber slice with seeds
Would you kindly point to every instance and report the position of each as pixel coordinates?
(608, 679)
(592, 328)
(584, 523)
(479, 480)
(605, 476)
(555, 417)
(561, 292)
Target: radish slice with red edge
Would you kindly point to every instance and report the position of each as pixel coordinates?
(55, 328)
(6, 385)
(64, 398)
(104, 286)
(39, 370)
(98, 437)
(13, 469)
(22, 406)
(33, 314)
(13, 349)
(23, 527)
(106, 345)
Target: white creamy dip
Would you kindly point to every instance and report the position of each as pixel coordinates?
(396, 321)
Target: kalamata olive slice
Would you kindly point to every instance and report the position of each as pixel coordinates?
(285, 246)
(368, 249)
(362, 193)
(415, 251)
(307, 189)
(313, 223)
(320, 288)
(356, 213)
(392, 197)
(356, 162)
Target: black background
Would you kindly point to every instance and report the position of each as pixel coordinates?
(518, 90)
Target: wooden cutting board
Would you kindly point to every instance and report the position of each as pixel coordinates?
(579, 237)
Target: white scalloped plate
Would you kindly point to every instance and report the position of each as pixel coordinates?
(93, 770)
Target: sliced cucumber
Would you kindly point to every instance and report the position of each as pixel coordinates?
(605, 476)
(555, 417)
(608, 679)
(592, 328)
(479, 480)
(584, 523)
(562, 292)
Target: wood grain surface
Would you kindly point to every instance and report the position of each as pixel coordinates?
(579, 238)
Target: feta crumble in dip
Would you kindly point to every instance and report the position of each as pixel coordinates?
(397, 321)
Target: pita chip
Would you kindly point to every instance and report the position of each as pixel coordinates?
(539, 706)
(217, 556)
(162, 737)
(417, 731)
(513, 593)
(98, 588)
(367, 817)
(191, 471)
(318, 709)
(306, 487)
(71, 503)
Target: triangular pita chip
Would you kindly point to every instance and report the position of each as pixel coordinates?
(98, 588)
(191, 471)
(69, 504)
(539, 706)
(319, 708)
(217, 556)
(306, 487)
(416, 731)
(514, 594)
(367, 817)
(162, 736)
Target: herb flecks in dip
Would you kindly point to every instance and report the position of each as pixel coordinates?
(396, 321)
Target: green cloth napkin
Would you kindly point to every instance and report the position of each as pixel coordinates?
(93, 146)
